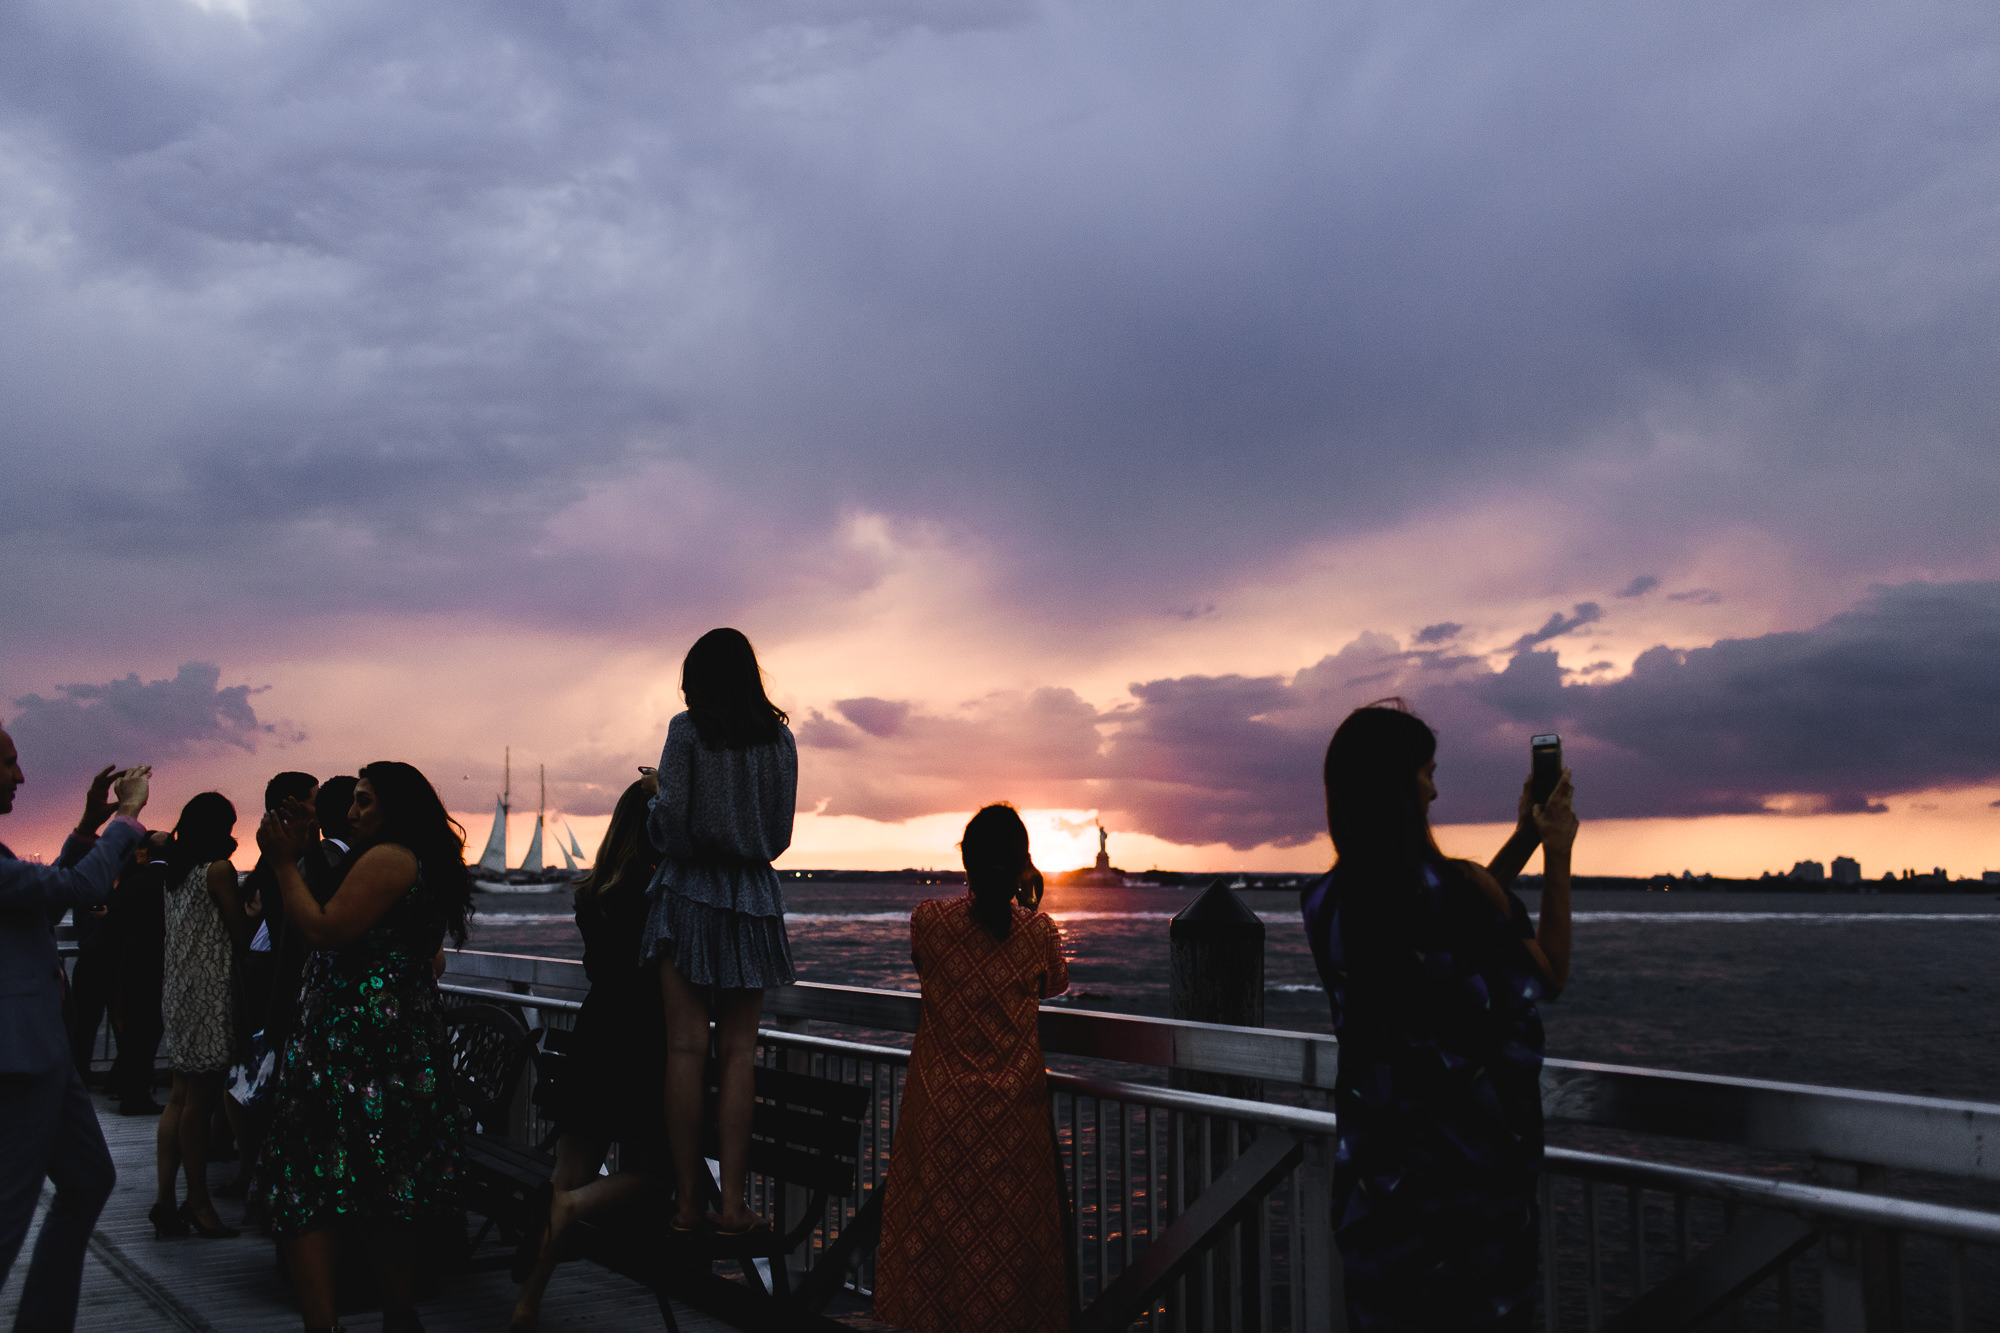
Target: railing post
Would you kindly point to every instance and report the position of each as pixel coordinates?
(1862, 1266)
(521, 1110)
(1215, 972)
(1319, 1275)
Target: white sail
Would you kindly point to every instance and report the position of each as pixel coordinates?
(534, 859)
(569, 862)
(495, 855)
(575, 848)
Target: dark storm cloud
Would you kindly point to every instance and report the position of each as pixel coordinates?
(1558, 624)
(1896, 695)
(81, 728)
(1137, 298)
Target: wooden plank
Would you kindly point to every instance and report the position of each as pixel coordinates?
(1231, 1195)
(233, 1285)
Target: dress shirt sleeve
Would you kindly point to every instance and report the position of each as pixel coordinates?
(84, 882)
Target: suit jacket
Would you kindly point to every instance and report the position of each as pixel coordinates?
(32, 898)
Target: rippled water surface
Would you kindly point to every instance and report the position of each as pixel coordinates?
(1897, 993)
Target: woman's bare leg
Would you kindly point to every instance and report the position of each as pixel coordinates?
(203, 1091)
(309, 1259)
(687, 1053)
(579, 1191)
(737, 1012)
(167, 1143)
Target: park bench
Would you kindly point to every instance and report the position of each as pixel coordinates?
(805, 1132)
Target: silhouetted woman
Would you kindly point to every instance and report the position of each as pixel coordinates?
(205, 927)
(364, 1129)
(972, 1233)
(609, 1087)
(1434, 971)
(728, 780)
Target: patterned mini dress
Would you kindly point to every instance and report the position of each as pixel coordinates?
(198, 981)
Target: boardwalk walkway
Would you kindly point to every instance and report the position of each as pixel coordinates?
(133, 1282)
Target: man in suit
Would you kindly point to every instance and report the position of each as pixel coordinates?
(51, 1128)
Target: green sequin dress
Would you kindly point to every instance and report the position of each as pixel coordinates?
(364, 1128)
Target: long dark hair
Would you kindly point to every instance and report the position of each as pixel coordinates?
(724, 688)
(995, 850)
(626, 855)
(201, 835)
(414, 817)
(1379, 825)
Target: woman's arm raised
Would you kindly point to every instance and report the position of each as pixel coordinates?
(1505, 867)
(1555, 828)
(1557, 824)
(378, 880)
(667, 816)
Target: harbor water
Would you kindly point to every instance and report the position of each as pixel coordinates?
(1893, 993)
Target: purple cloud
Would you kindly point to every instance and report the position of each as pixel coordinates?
(877, 717)
(80, 728)
(1892, 696)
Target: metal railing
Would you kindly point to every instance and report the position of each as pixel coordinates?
(1198, 1212)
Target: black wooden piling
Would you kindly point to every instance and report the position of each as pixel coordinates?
(1216, 975)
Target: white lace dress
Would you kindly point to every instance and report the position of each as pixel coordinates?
(198, 988)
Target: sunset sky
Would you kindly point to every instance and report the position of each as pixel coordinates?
(1078, 404)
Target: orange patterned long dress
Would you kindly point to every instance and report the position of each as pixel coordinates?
(972, 1234)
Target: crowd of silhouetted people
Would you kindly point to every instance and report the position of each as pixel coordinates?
(299, 1012)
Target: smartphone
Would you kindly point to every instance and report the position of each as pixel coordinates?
(1545, 754)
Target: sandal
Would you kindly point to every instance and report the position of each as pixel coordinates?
(726, 1240)
(757, 1228)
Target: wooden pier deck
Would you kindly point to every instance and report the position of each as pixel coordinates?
(133, 1282)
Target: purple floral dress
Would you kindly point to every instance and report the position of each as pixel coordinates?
(1439, 1096)
(364, 1127)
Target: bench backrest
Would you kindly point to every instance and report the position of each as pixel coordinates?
(805, 1130)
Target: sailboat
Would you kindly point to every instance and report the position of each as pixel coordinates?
(494, 858)
(533, 864)
(533, 875)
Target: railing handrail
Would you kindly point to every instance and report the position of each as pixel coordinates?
(1299, 1118)
(1814, 1201)
(1953, 1138)
(1806, 1200)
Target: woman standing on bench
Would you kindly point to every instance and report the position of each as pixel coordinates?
(972, 1233)
(609, 1087)
(728, 781)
